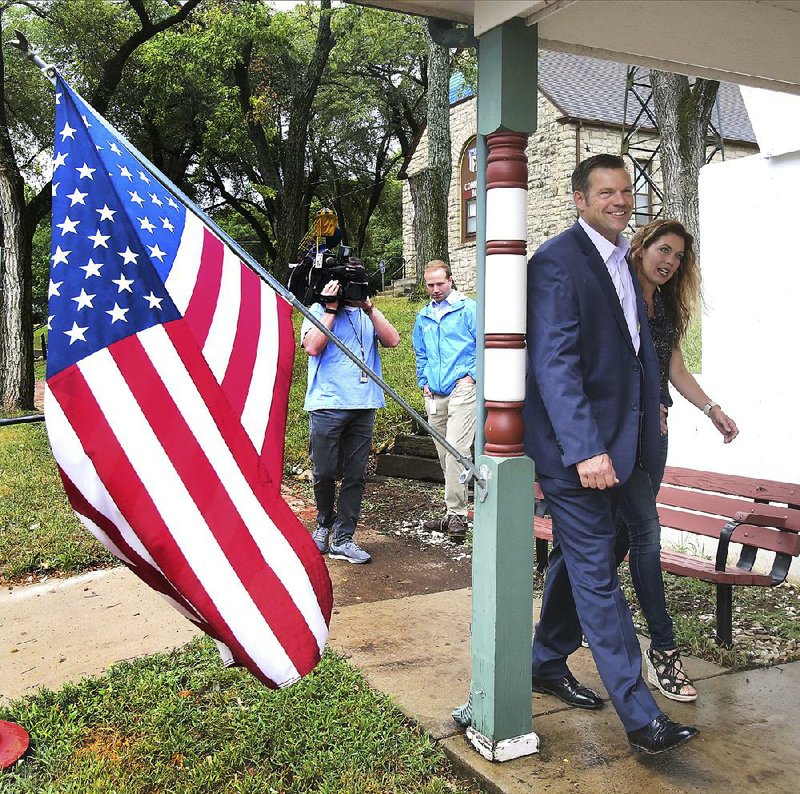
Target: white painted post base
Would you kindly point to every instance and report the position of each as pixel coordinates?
(505, 749)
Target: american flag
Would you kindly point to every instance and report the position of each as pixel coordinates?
(167, 390)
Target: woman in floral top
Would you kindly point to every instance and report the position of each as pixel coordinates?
(664, 257)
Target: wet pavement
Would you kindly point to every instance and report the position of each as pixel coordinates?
(415, 648)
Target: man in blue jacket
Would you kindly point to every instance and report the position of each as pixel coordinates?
(444, 344)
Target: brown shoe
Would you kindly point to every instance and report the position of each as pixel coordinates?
(457, 528)
(436, 524)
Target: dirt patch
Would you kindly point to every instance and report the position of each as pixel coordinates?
(406, 560)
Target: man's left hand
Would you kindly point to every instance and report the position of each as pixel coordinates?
(466, 379)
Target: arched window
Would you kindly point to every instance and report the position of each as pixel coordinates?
(469, 190)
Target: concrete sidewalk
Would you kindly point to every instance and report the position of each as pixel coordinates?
(416, 650)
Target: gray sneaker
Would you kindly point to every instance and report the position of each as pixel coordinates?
(348, 550)
(320, 536)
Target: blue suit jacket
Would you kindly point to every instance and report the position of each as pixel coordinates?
(587, 390)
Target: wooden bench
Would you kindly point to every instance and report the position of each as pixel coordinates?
(761, 515)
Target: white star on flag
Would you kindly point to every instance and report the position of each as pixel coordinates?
(156, 252)
(156, 200)
(60, 256)
(67, 132)
(85, 171)
(143, 176)
(153, 301)
(53, 288)
(123, 284)
(76, 197)
(92, 268)
(83, 300)
(76, 333)
(136, 198)
(123, 171)
(99, 239)
(60, 159)
(165, 223)
(106, 214)
(117, 313)
(128, 256)
(68, 226)
(54, 191)
(145, 223)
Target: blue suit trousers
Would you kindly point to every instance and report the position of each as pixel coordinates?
(582, 590)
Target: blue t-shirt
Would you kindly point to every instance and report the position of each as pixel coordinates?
(333, 380)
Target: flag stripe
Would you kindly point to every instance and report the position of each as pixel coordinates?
(200, 311)
(148, 574)
(210, 476)
(182, 277)
(79, 469)
(165, 519)
(218, 345)
(248, 330)
(260, 395)
(272, 448)
(239, 446)
(182, 519)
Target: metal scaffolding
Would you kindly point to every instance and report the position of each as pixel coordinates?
(641, 143)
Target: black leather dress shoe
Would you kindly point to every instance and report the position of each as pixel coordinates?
(569, 690)
(660, 735)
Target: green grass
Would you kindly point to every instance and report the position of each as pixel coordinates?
(692, 346)
(181, 723)
(39, 533)
(765, 621)
(399, 372)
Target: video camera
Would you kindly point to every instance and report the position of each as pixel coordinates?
(309, 277)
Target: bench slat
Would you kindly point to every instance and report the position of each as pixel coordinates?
(734, 484)
(685, 565)
(700, 524)
(725, 505)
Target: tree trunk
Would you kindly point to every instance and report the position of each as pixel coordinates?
(430, 187)
(16, 333)
(292, 215)
(683, 112)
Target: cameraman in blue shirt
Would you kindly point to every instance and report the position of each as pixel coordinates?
(341, 402)
(444, 345)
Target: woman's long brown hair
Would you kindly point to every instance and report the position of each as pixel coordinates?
(682, 292)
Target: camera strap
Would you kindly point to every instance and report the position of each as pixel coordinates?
(359, 335)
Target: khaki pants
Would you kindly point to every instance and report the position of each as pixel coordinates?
(454, 417)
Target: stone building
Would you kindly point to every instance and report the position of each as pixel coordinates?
(580, 113)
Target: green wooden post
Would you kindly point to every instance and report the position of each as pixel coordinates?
(502, 573)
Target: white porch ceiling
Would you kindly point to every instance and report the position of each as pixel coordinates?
(752, 42)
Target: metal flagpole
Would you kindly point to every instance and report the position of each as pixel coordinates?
(470, 470)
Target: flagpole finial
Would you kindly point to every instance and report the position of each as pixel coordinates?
(20, 41)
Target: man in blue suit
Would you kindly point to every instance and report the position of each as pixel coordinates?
(591, 415)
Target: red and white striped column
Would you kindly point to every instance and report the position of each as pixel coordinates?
(505, 292)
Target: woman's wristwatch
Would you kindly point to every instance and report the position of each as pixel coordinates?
(708, 407)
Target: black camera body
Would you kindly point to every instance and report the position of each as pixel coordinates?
(308, 279)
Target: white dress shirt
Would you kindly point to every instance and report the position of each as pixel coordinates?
(613, 255)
